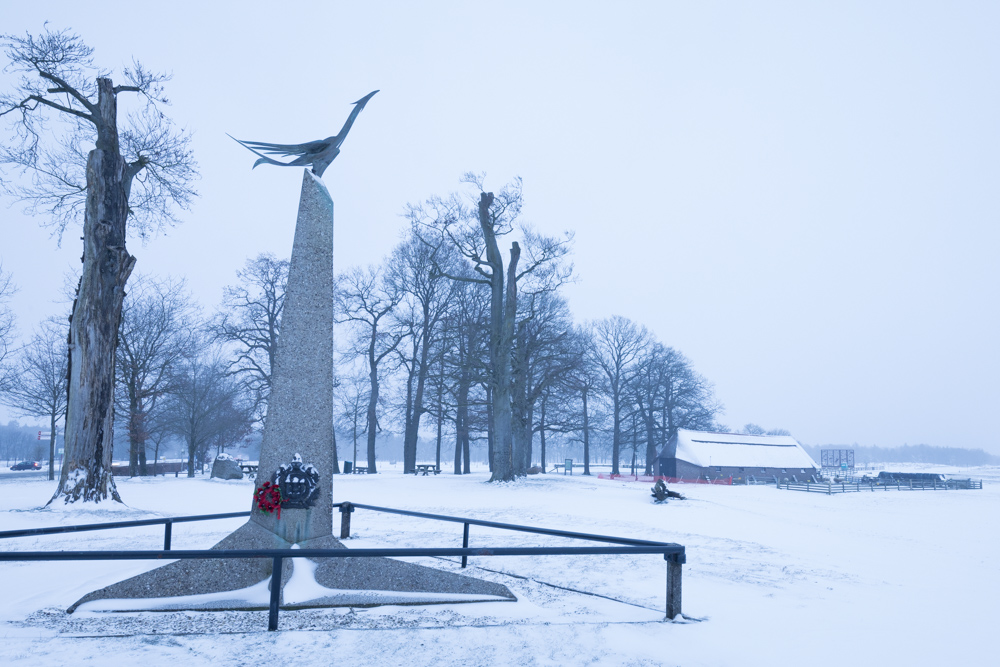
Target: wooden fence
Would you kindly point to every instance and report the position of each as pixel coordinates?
(831, 488)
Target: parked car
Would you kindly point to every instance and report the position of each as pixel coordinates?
(26, 465)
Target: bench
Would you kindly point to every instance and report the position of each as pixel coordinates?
(426, 468)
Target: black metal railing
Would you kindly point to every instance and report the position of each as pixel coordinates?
(674, 554)
(830, 487)
(111, 525)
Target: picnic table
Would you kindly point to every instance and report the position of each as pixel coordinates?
(426, 468)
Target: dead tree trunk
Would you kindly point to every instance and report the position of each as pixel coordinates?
(93, 336)
(503, 307)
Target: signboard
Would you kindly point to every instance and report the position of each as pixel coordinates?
(837, 458)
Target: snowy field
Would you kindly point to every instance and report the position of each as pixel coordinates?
(772, 577)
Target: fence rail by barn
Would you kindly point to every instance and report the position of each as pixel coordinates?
(831, 487)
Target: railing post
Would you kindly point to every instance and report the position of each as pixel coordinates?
(465, 543)
(272, 615)
(674, 563)
(345, 520)
(168, 528)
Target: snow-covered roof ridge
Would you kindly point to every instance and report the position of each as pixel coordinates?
(740, 438)
(706, 448)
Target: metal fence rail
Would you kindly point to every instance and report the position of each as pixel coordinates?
(674, 554)
(167, 523)
(503, 526)
(857, 486)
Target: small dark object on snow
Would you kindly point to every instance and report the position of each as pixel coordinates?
(660, 493)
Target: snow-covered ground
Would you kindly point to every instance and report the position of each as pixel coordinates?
(773, 576)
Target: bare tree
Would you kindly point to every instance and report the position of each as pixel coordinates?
(156, 333)
(426, 293)
(7, 290)
(474, 234)
(18, 443)
(365, 300)
(38, 384)
(617, 344)
(138, 174)
(250, 320)
(352, 408)
(688, 398)
(465, 362)
(206, 408)
(542, 358)
(647, 387)
(584, 379)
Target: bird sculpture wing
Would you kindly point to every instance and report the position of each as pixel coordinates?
(319, 154)
(305, 153)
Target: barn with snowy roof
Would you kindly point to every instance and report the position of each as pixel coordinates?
(701, 454)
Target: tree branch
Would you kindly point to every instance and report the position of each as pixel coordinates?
(66, 88)
(58, 107)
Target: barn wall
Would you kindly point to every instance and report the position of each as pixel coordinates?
(672, 467)
(665, 467)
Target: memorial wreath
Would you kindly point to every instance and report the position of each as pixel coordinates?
(268, 498)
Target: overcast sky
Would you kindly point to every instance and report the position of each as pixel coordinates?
(801, 197)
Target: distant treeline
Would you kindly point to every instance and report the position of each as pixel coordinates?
(955, 456)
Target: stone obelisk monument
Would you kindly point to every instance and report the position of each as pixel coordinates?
(297, 456)
(300, 409)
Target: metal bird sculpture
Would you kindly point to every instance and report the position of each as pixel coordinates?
(319, 154)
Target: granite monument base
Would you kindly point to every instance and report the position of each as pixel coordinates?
(244, 584)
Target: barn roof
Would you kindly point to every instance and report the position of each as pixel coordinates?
(704, 449)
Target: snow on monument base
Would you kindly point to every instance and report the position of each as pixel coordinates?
(244, 584)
